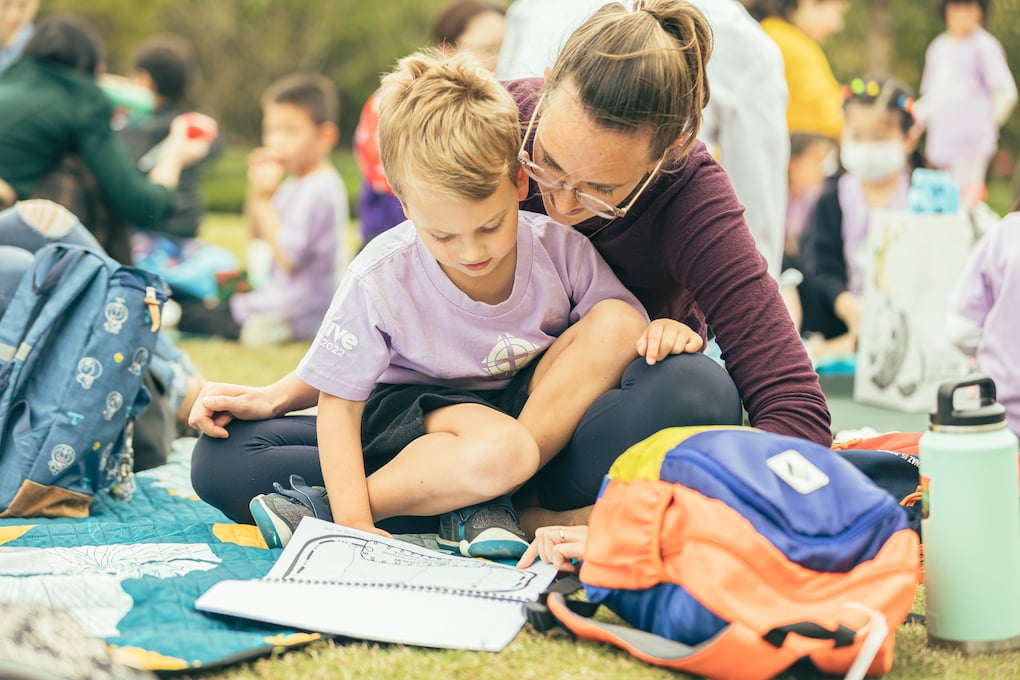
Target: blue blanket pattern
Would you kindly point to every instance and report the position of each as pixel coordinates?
(130, 573)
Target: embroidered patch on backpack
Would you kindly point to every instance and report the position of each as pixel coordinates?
(795, 469)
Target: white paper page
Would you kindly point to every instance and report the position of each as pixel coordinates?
(382, 614)
(314, 586)
(323, 551)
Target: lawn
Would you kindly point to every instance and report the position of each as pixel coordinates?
(531, 654)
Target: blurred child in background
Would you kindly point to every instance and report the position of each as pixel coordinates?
(163, 68)
(879, 151)
(967, 94)
(302, 219)
(814, 115)
(982, 319)
(164, 65)
(471, 26)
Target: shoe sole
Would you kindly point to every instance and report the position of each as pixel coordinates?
(494, 544)
(448, 545)
(274, 531)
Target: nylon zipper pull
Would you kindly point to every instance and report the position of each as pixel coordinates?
(153, 305)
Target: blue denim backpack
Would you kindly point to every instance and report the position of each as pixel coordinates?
(74, 345)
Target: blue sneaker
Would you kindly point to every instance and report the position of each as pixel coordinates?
(491, 530)
(278, 514)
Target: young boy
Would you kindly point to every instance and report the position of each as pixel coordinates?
(464, 345)
(164, 66)
(303, 220)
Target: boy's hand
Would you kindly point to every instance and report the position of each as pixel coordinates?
(265, 172)
(666, 336)
(368, 527)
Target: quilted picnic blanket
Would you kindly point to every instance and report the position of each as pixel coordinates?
(131, 571)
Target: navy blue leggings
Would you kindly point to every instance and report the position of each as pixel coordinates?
(684, 389)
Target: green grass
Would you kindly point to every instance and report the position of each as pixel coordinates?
(557, 656)
(531, 655)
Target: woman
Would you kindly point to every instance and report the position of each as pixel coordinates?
(610, 150)
(56, 141)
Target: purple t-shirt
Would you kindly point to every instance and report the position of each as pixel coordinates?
(313, 215)
(397, 318)
(685, 251)
(986, 294)
(959, 76)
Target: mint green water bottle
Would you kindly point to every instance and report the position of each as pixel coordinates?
(970, 523)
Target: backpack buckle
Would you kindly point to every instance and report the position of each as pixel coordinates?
(153, 305)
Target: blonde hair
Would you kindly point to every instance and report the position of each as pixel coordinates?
(641, 69)
(446, 123)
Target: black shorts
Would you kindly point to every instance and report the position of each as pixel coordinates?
(394, 415)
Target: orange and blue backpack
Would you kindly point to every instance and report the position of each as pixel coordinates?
(735, 553)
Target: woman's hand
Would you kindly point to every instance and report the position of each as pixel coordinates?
(666, 336)
(563, 547)
(219, 403)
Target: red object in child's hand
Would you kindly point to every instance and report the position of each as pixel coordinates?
(200, 126)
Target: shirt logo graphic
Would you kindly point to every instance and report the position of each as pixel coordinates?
(337, 340)
(508, 356)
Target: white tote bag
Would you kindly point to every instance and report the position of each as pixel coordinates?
(902, 352)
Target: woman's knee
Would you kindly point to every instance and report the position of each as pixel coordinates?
(691, 388)
(210, 459)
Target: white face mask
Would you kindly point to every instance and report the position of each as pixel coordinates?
(873, 161)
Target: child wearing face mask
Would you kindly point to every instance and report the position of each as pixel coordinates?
(878, 151)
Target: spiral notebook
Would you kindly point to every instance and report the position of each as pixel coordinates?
(341, 581)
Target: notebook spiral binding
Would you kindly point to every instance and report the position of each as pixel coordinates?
(400, 586)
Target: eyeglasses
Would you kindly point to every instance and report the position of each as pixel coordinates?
(592, 203)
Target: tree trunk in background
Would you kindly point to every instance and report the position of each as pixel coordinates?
(879, 38)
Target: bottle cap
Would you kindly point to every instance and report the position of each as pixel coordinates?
(987, 412)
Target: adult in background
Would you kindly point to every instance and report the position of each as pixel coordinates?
(56, 141)
(611, 149)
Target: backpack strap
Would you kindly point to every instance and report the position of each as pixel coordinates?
(539, 616)
(577, 618)
(53, 264)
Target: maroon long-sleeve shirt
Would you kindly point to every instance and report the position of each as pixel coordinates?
(685, 251)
